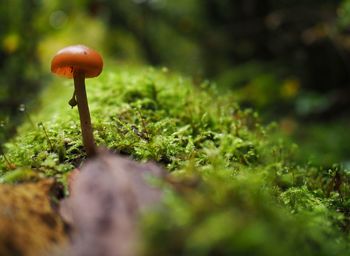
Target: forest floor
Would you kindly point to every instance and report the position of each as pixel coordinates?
(234, 186)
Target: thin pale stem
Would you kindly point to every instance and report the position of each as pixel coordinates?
(85, 120)
(47, 136)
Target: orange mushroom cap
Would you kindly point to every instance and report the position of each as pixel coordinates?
(77, 58)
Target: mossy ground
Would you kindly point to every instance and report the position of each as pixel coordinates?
(235, 188)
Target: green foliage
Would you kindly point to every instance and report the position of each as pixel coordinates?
(233, 188)
(344, 14)
(259, 85)
(324, 144)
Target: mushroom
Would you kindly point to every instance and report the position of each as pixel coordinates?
(79, 62)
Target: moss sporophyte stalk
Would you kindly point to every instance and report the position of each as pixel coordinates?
(235, 187)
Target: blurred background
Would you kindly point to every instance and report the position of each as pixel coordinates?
(287, 59)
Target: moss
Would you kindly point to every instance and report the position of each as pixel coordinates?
(235, 187)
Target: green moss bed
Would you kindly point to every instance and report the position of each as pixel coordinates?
(235, 190)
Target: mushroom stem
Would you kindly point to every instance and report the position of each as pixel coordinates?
(83, 107)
